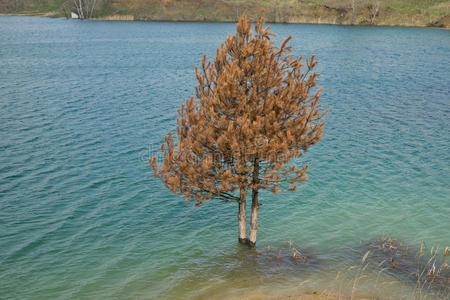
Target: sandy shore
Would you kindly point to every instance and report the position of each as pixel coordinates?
(323, 296)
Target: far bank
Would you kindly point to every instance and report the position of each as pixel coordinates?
(409, 13)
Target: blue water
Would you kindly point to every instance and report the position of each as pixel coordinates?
(84, 103)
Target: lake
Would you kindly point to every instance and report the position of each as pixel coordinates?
(84, 103)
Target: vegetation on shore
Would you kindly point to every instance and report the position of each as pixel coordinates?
(424, 271)
(359, 12)
(382, 268)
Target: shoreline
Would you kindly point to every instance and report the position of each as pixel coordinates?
(130, 18)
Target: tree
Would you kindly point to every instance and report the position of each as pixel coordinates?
(374, 8)
(353, 7)
(85, 8)
(254, 113)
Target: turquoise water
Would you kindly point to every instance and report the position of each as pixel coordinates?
(84, 102)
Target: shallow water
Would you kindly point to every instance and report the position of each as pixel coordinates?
(84, 102)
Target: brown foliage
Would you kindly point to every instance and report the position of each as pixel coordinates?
(256, 110)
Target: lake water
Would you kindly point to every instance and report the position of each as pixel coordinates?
(82, 103)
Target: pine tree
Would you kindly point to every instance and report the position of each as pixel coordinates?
(257, 109)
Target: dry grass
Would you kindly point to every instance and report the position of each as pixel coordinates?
(428, 270)
(424, 273)
(117, 18)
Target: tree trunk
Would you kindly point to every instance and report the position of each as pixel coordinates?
(255, 205)
(242, 219)
(81, 14)
(353, 12)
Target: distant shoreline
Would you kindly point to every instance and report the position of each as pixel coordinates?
(130, 18)
(399, 13)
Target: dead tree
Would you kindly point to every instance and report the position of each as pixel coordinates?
(257, 109)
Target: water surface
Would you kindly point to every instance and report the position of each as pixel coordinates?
(81, 217)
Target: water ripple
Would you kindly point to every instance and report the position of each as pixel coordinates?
(85, 103)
